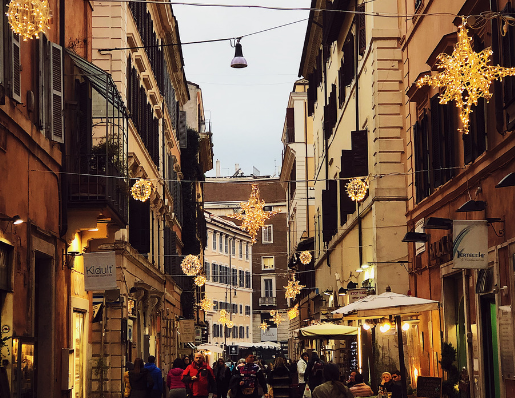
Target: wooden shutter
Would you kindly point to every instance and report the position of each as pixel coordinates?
(329, 211)
(347, 206)
(42, 83)
(56, 100)
(359, 153)
(341, 85)
(15, 67)
(436, 141)
(139, 226)
(362, 32)
(449, 135)
(183, 131)
(421, 158)
(290, 125)
(348, 60)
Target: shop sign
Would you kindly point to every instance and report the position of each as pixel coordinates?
(506, 342)
(131, 307)
(269, 334)
(187, 330)
(100, 271)
(356, 294)
(470, 244)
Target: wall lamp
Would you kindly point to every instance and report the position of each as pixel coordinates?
(438, 223)
(472, 205)
(328, 292)
(69, 258)
(507, 181)
(16, 220)
(342, 291)
(415, 237)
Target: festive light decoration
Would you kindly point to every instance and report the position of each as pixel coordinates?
(28, 18)
(466, 76)
(263, 326)
(305, 257)
(191, 265)
(277, 318)
(224, 320)
(405, 326)
(293, 289)
(252, 214)
(357, 189)
(230, 324)
(273, 312)
(141, 190)
(200, 280)
(293, 312)
(206, 304)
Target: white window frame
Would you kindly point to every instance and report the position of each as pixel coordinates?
(240, 247)
(263, 265)
(268, 235)
(274, 292)
(214, 241)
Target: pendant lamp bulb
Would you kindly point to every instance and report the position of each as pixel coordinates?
(239, 60)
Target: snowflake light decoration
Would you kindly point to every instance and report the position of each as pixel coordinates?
(252, 215)
(223, 317)
(466, 76)
(200, 280)
(263, 326)
(293, 288)
(28, 18)
(277, 318)
(141, 190)
(206, 304)
(357, 189)
(293, 312)
(191, 265)
(305, 257)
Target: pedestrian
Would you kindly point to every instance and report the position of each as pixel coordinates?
(140, 380)
(386, 383)
(222, 378)
(352, 379)
(302, 364)
(280, 379)
(199, 378)
(249, 376)
(127, 392)
(314, 372)
(396, 386)
(186, 361)
(157, 377)
(241, 361)
(176, 387)
(332, 387)
(360, 389)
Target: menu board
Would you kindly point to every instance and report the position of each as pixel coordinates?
(429, 387)
(506, 342)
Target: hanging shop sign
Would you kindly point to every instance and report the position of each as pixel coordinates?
(357, 294)
(470, 244)
(269, 335)
(187, 330)
(100, 271)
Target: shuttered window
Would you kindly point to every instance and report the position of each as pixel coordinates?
(15, 63)
(474, 143)
(329, 211)
(341, 86)
(330, 113)
(508, 58)
(442, 141)
(420, 138)
(139, 226)
(362, 32)
(348, 60)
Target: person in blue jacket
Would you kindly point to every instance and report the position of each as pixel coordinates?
(157, 377)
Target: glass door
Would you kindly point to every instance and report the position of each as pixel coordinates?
(78, 354)
(23, 369)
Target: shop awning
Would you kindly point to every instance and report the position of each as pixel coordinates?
(210, 347)
(263, 344)
(386, 304)
(327, 331)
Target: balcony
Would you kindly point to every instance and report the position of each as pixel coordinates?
(268, 301)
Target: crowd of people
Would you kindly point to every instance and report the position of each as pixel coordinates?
(250, 379)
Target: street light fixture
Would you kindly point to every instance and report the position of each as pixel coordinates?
(239, 60)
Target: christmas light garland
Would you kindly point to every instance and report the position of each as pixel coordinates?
(200, 280)
(141, 190)
(263, 326)
(28, 18)
(357, 189)
(276, 318)
(191, 265)
(305, 257)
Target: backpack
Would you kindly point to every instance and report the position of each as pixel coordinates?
(317, 369)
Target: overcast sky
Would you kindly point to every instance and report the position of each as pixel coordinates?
(246, 106)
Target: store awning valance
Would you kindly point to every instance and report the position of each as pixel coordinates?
(327, 331)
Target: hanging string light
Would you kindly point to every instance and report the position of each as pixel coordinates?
(293, 312)
(466, 76)
(277, 318)
(141, 190)
(357, 189)
(305, 257)
(263, 326)
(200, 280)
(28, 18)
(293, 288)
(191, 265)
(206, 304)
(252, 215)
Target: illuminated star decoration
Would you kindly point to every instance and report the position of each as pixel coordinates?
(277, 318)
(28, 18)
(252, 215)
(466, 76)
(293, 312)
(200, 280)
(191, 265)
(263, 326)
(357, 189)
(206, 304)
(224, 320)
(293, 289)
(141, 190)
(305, 257)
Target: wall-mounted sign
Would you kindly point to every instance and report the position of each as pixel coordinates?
(100, 271)
(470, 244)
(269, 335)
(357, 294)
(131, 307)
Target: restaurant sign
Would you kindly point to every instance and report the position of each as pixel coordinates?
(470, 244)
(100, 271)
(357, 294)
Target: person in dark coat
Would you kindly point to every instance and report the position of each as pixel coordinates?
(222, 378)
(280, 379)
(140, 380)
(157, 377)
(248, 378)
(314, 374)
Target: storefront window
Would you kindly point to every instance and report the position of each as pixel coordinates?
(78, 357)
(23, 369)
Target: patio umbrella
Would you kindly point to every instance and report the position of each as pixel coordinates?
(210, 347)
(328, 331)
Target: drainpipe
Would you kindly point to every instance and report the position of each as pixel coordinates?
(326, 139)
(306, 163)
(356, 54)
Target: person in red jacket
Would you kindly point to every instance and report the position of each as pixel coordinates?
(199, 378)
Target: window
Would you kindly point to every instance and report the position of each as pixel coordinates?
(241, 309)
(234, 277)
(247, 310)
(215, 273)
(226, 244)
(242, 278)
(268, 287)
(247, 279)
(242, 332)
(362, 31)
(214, 241)
(267, 263)
(247, 332)
(241, 249)
(215, 305)
(235, 332)
(247, 251)
(221, 243)
(207, 271)
(233, 248)
(222, 274)
(267, 234)
(235, 308)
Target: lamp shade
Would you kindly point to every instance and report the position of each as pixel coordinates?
(507, 181)
(415, 237)
(239, 60)
(472, 205)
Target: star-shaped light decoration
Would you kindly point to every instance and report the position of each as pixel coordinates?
(206, 304)
(277, 318)
(293, 288)
(357, 189)
(273, 312)
(223, 317)
(293, 312)
(263, 326)
(252, 215)
(466, 76)
(305, 257)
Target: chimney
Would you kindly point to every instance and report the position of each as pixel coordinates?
(236, 167)
(218, 173)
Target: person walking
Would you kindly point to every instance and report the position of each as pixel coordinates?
(302, 364)
(176, 387)
(127, 391)
(140, 380)
(360, 389)
(332, 387)
(222, 378)
(280, 379)
(314, 372)
(247, 379)
(199, 378)
(157, 377)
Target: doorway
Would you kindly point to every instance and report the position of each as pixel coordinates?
(490, 347)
